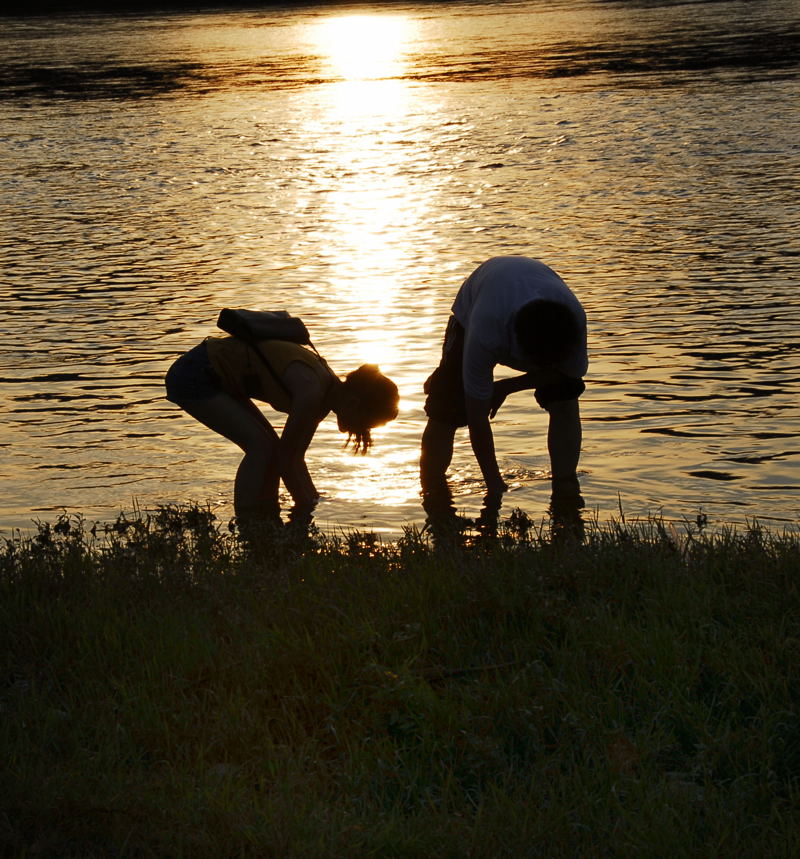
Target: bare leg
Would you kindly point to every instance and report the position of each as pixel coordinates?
(255, 495)
(564, 439)
(436, 454)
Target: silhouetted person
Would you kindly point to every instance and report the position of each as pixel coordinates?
(518, 313)
(216, 383)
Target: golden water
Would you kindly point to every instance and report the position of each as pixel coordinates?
(353, 167)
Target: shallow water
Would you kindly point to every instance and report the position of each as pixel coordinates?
(353, 167)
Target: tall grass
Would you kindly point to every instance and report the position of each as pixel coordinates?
(166, 690)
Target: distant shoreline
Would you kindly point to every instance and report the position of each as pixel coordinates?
(20, 8)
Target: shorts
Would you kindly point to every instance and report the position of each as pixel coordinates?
(192, 377)
(446, 401)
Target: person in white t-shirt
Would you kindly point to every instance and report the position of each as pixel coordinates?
(519, 313)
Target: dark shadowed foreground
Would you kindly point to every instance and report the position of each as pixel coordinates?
(169, 692)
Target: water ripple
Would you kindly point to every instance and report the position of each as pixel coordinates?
(648, 151)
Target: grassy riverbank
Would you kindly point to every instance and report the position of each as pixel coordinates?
(163, 693)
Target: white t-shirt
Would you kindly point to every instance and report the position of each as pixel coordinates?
(486, 305)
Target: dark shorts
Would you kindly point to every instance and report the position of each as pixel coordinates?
(192, 377)
(445, 386)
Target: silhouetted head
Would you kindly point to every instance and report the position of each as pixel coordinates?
(367, 399)
(547, 331)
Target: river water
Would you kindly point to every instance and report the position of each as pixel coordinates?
(353, 166)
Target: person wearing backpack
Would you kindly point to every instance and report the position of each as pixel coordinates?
(217, 382)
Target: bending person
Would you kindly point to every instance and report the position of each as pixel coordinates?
(216, 383)
(516, 312)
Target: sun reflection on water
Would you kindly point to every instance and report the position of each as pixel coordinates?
(386, 476)
(368, 205)
(365, 204)
(364, 47)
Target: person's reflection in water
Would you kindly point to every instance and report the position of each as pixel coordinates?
(566, 504)
(449, 529)
(488, 519)
(300, 523)
(445, 525)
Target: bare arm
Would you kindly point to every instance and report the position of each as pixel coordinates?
(504, 387)
(482, 440)
(304, 416)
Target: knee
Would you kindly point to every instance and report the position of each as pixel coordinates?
(260, 450)
(437, 433)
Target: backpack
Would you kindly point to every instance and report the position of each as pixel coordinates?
(254, 325)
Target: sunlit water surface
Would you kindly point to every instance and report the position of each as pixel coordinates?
(353, 166)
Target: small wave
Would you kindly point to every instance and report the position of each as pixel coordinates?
(714, 475)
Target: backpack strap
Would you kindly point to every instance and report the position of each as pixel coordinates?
(253, 344)
(324, 363)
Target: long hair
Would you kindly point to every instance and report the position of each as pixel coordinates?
(377, 398)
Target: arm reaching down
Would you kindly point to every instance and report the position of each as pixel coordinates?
(307, 410)
(482, 440)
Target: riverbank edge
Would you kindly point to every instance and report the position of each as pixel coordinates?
(170, 690)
